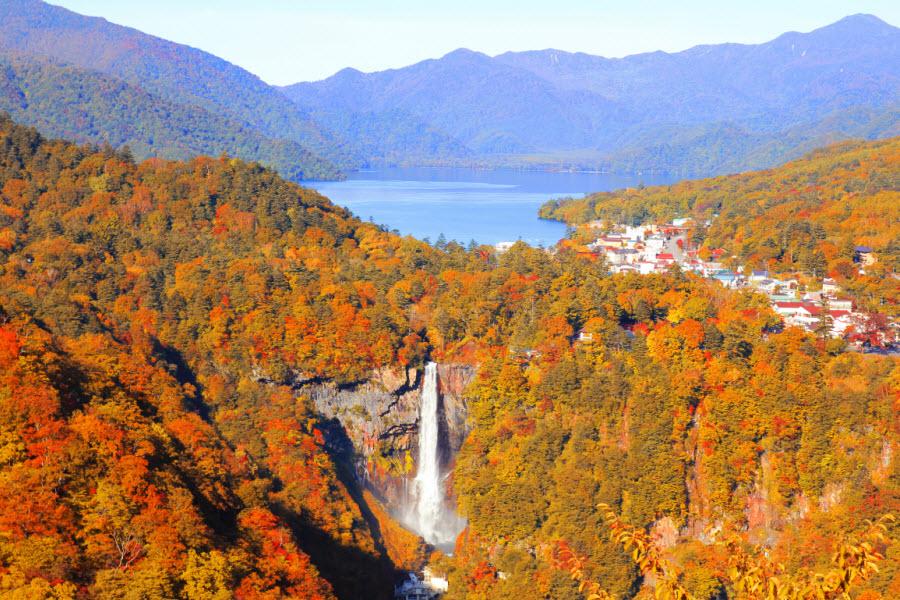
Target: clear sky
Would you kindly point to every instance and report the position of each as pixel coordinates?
(285, 41)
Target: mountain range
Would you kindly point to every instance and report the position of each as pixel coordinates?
(89, 79)
(704, 110)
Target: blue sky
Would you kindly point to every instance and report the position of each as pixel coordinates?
(285, 41)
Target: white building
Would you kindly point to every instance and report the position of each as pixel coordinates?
(620, 256)
(429, 587)
(654, 245)
(637, 233)
(645, 268)
(415, 589)
(840, 304)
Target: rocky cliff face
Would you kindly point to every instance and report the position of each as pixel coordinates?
(376, 424)
(766, 511)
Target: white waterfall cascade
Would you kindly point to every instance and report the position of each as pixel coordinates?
(433, 520)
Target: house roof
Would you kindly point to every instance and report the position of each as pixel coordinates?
(789, 304)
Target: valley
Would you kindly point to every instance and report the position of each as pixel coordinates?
(539, 325)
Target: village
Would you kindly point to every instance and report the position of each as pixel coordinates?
(647, 249)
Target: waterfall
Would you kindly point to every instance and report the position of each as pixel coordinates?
(434, 521)
(429, 495)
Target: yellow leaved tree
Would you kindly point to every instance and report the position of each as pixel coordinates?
(751, 573)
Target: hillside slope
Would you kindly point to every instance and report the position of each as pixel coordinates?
(85, 106)
(165, 326)
(172, 72)
(174, 463)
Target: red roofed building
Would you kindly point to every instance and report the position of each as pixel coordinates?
(790, 309)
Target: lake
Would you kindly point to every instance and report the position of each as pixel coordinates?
(488, 206)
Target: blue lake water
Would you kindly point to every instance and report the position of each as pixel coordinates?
(487, 206)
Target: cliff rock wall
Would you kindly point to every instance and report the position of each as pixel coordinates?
(376, 424)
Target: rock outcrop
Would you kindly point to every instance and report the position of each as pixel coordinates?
(378, 422)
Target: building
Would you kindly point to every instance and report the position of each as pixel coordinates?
(639, 233)
(620, 256)
(791, 309)
(830, 286)
(727, 278)
(842, 321)
(812, 297)
(840, 304)
(415, 589)
(654, 244)
(865, 256)
(665, 257)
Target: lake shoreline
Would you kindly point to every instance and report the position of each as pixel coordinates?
(488, 206)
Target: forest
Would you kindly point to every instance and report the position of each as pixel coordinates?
(158, 321)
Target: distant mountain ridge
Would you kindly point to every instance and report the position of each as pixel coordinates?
(170, 72)
(646, 111)
(703, 111)
(67, 102)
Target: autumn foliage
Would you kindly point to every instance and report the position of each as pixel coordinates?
(161, 322)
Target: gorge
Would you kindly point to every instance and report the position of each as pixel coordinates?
(218, 383)
(402, 430)
(205, 361)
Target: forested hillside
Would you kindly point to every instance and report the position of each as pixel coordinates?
(85, 106)
(805, 216)
(693, 418)
(186, 81)
(141, 456)
(160, 322)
